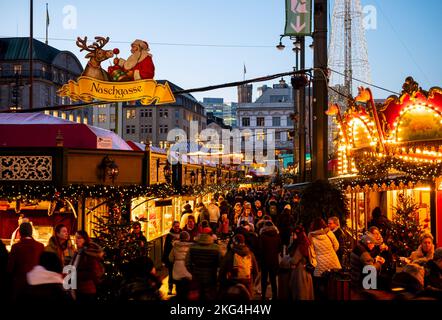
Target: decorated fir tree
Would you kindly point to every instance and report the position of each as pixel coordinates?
(405, 228)
(113, 233)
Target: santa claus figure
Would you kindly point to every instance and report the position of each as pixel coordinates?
(139, 65)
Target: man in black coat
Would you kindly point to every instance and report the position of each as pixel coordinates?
(270, 247)
(335, 227)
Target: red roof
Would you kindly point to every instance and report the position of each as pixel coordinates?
(40, 130)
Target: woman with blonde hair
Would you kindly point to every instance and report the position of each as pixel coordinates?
(425, 251)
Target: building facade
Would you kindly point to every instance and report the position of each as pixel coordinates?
(151, 124)
(272, 110)
(222, 110)
(51, 69)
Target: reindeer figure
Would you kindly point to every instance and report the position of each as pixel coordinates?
(96, 55)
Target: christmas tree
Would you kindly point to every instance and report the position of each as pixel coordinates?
(405, 228)
(113, 233)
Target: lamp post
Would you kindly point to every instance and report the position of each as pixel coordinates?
(298, 84)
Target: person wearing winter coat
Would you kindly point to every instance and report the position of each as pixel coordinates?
(285, 226)
(3, 276)
(433, 274)
(238, 265)
(191, 228)
(24, 256)
(214, 214)
(88, 265)
(205, 228)
(45, 282)
(187, 211)
(424, 252)
(270, 247)
(181, 276)
(60, 244)
(174, 234)
(335, 226)
(325, 246)
(361, 257)
(202, 261)
(223, 226)
(301, 281)
(140, 281)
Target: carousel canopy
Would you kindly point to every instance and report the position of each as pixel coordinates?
(40, 130)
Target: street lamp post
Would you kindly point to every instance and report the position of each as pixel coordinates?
(298, 105)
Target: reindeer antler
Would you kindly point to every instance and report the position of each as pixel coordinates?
(100, 43)
(81, 43)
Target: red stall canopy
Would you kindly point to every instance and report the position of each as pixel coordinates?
(40, 130)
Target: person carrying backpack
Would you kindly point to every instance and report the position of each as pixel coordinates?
(239, 265)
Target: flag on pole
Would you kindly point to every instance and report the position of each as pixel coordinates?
(245, 69)
(47, 16)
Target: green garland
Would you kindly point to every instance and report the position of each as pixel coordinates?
(370, 166)
(75, 191)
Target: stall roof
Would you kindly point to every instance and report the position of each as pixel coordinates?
(41, 130)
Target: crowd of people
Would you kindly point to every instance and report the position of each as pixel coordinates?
(234, 247)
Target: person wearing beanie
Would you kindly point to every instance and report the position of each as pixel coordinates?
(360, 257)
(23, 257)
(433, 274)
(177, 257)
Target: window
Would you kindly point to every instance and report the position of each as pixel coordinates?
(17, 68)
(260, 122)
(276, 121)
(246, 122)
(128, 129)
(160, 113)
(149, 129)
(278, 135)
(142, 114)
(133, 129)
(177, 114)
(289, 122)
(260, 136)
(130, 114)
(166, 113)
(102, 118)
(112, 118)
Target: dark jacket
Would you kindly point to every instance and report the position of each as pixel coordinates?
(360, 257)
(433, 275)
(3, 265)
(89, 269)
(269, 247)
(23, 257)
(340, 236)
(193, 233)
(168, 245)
(227, 271)
(203, 260)
(141, 288)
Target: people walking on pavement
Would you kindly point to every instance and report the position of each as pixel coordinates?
(325, 245)
(24, 256)
(88, 263)
(181, 276)
(270, 247)
(238, 265)
(202, 261)
(173, 235)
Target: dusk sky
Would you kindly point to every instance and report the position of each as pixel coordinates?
(197, 43)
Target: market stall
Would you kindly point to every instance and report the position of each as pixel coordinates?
(389, 151)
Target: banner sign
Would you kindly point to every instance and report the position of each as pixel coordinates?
(88, 89)
(298, 18)
(126, 80)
